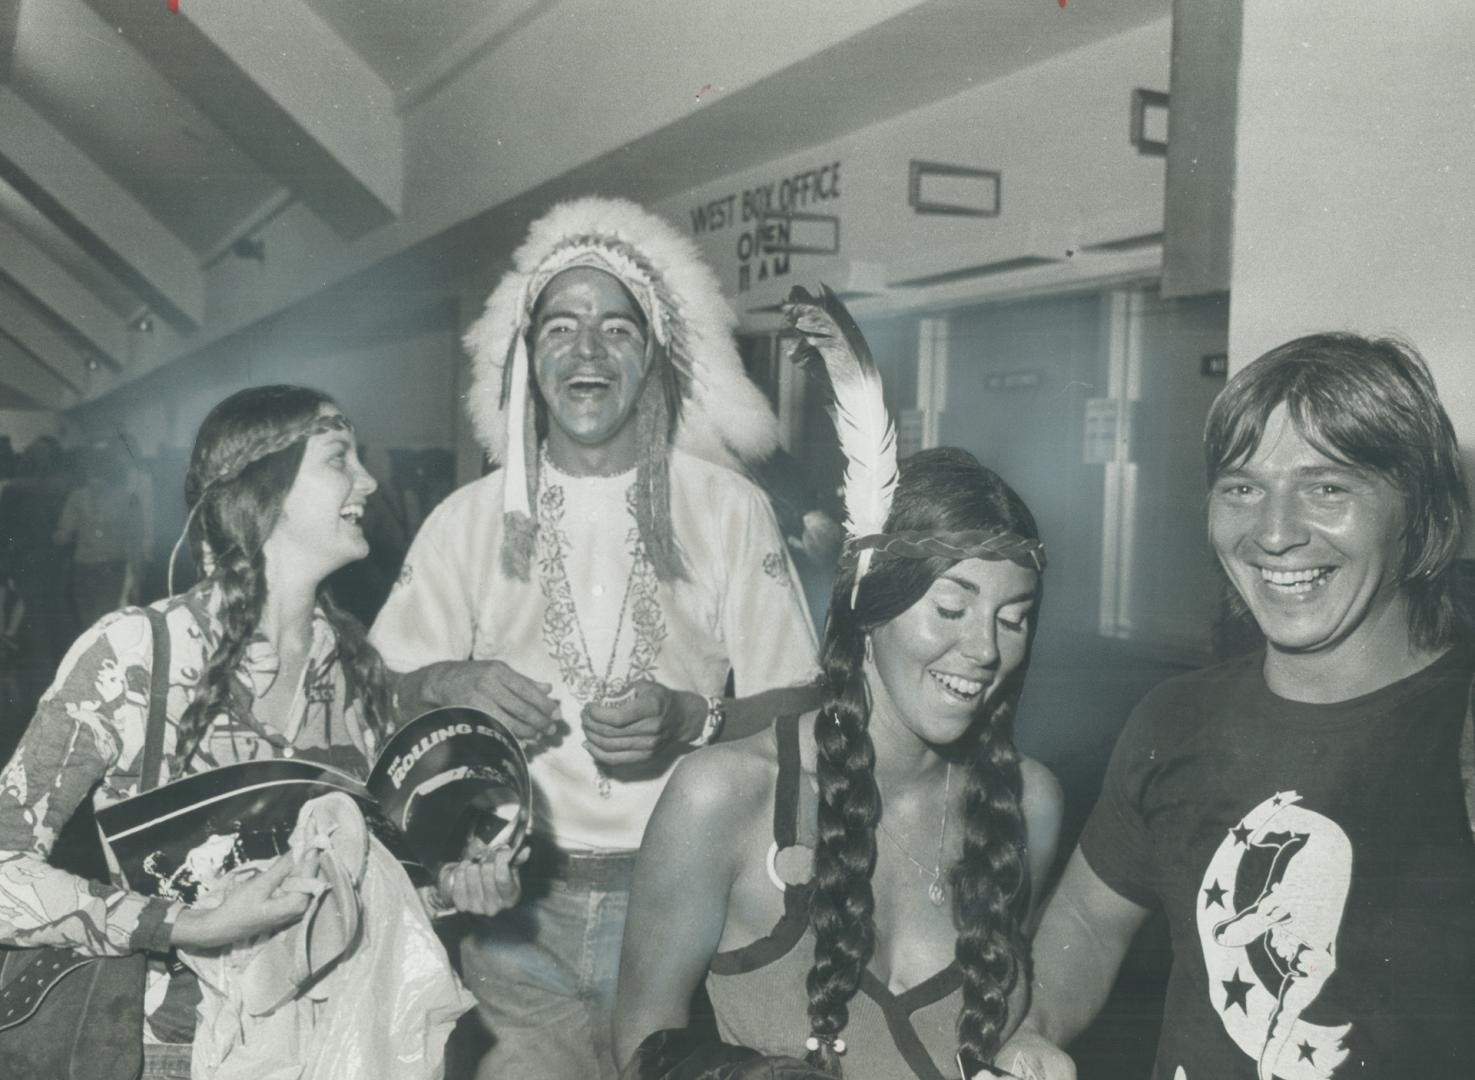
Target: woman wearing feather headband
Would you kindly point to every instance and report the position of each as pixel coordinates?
(252, 663)
(854, 885)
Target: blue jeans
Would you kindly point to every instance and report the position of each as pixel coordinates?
(545, 973)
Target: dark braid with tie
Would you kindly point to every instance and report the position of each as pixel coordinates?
(943, 490)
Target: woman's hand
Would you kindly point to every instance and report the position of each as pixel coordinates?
(482, 887)
(264, 903)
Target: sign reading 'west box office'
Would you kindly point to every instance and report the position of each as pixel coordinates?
(769, 215)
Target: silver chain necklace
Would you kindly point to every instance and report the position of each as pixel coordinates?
(603, 784)
(935, 891)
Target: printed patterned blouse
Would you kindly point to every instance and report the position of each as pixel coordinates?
(88, 732)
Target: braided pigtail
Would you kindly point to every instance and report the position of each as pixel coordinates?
(944, 500)
(364, 676)
(991, 889)
(842, 904)
(240, 588)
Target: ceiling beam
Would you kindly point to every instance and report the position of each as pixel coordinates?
(287, 90)
(56, 290)
(501, 21)
(105, 221)
(47, 342)
(25, 374)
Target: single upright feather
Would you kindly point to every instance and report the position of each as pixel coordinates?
(831, 341)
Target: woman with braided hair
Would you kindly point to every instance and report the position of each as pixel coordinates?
(260, 664)
(855, 885)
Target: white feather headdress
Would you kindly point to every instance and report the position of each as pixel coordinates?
(725, 418)
(833, 344)
(832, 341)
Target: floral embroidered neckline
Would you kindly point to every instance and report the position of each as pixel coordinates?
(562, 631)
(564, 475)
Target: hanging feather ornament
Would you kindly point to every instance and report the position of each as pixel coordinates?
(832, 343)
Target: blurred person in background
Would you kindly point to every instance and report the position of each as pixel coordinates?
(30, 507)
(103, 522)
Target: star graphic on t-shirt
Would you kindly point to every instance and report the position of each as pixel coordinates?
(1236, 992)
(1214, 894)
(1308, 1053)
(1241, 833)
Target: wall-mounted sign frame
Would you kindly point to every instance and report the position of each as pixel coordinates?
(934, 187)
(1143, 102)
(799, 234)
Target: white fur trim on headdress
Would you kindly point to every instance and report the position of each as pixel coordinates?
(725, 418)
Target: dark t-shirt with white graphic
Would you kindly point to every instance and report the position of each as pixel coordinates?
(1316, 868)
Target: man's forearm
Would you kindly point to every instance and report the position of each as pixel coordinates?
(746, 715)
(1076, 957)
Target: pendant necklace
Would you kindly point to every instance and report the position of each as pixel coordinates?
(603, 695)
(935, 890)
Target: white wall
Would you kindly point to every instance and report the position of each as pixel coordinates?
(1058, 132)
(1355, 184)
(397, 388)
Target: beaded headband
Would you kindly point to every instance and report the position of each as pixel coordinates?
(236, 464)
(615, 258)
(971, 544)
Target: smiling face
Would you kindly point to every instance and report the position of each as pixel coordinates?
(1313, 546)
(589, 357)
(937, 662)
(319, 527)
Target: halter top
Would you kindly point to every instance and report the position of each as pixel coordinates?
(758, 991)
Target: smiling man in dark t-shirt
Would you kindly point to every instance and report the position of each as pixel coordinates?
(1297, 813)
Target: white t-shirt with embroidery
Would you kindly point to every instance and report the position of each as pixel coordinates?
(594, 616)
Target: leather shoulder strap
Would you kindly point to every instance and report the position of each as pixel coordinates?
(786, 789)
(153, 739)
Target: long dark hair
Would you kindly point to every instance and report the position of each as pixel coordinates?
(245, 458)
(939, 490)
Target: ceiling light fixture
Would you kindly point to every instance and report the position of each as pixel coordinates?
(250, 247)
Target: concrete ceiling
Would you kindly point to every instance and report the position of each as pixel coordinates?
(138, 145)
(400, 40)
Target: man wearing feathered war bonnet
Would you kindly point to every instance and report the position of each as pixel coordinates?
(596, 590)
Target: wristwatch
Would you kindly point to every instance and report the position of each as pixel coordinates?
(712, 725)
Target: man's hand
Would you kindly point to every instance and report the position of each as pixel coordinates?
(483, 887)
(1030, 1056)
(267, 902)
(490, 685)
(641, 723)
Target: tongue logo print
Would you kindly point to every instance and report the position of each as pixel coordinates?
(1269, 913)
